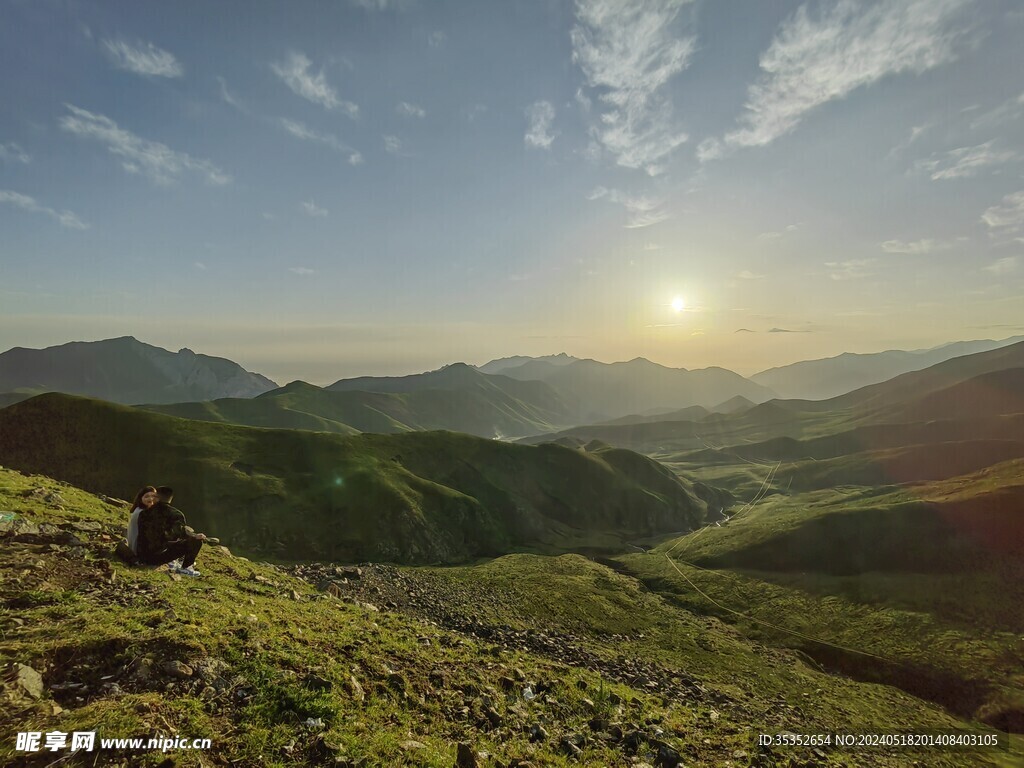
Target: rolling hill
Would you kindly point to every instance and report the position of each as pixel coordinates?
(125, 370)
(416, 497)
(482, 408)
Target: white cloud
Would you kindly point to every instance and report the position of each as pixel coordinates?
(302, 270)
(66, 219)
(821, 57)
(965, 161)
(540, 115)
(1002, 266)
(312, 209)
(159, 162)
(144, 59)
(405, 109)
(643, 211)
(849, 270)
(392, 144)
(294, 72)
(1011, 109)
(628, 50)
(13, 153)
(228, 97)
(201, 266)
(1009, 216)
(437, 39)
(746, 274)
(301, 131)
(474, 111)
(915, 247)
(788, 229)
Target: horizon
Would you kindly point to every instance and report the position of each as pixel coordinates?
(316, 196)
(323, 382)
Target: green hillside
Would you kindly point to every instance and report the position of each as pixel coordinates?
(425, 667)
(416, 497)
(481, 408)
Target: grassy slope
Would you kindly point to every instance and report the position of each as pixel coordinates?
(481, 409)
(927, 575)
(418, 497)
(284, 654)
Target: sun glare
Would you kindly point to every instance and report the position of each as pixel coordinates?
(678, 304)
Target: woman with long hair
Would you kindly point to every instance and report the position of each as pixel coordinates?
(144, 499)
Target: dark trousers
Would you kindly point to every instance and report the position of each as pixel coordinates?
(186, 549)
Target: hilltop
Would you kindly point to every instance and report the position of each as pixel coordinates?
(419, 497)
(472, 403)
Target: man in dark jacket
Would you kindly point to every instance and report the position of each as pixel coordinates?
(164, 537)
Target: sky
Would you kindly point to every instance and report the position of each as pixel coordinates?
(321, 190)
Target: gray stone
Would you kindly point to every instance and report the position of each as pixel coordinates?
(29, 680)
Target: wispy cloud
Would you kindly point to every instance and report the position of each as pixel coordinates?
(473, 111)
(849, 270)
(294, 71)
(1008, 217)
(143, 59)
(392, 144)
(301, 131)
(643, 211)
(746, 274)
(1002, 266)
(66, 219)
(302, 271)
(788, 229)
(13, 153)
(229, 97)
(965, 161)
(744, 330)
(153, 159)
(915, 247)
(628, 51)
(1011, 109)
(201, 266)
(312, 209)
(405, 109)
(540, 115)
(437, 39)
(819, 57)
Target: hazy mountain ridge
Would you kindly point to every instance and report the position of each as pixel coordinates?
(125, 370)
(833, 376)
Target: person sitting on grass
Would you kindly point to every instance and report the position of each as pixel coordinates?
(164, 537)
(144, 499)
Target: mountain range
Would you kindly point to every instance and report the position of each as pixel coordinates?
(125, 370)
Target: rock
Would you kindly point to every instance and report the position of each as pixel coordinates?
(177, 669)
(355, 689)
(412, 745)
(465, 757)
(330, 587)
(494, 717)
(538, 733)
(317, 683)
(396, 681)
(85, 526)
(569, 747)
(30, 681)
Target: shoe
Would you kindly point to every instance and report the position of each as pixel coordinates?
(190, 571)
(174, 566)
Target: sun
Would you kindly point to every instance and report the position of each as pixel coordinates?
(678, 304)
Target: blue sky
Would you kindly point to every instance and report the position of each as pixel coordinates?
(339, 188)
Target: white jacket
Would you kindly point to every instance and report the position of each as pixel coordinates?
(133, 528)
